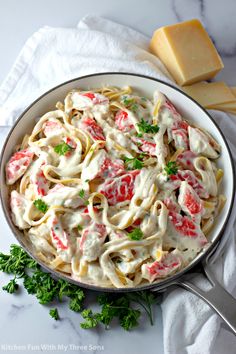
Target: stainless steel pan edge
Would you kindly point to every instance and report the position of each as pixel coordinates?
(226, 308)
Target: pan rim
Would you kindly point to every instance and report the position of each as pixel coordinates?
(156, 285)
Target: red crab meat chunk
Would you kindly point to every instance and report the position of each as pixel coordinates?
(189, 200)
(92, 128)
(59, 236)
(186, 160)
(189, 177)
(160, 269)
(119, 189)
(40, 182)
(123, 121)
(52, 128)
(17, 165)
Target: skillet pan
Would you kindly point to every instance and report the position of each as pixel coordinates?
(217, 297)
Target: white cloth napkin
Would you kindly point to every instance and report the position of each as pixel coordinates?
(54, 55)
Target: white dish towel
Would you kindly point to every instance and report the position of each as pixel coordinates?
(54, 55)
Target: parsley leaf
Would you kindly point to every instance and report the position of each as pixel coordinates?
(136, 234)
(79, 227)
(147, 128)
(54, 314)
(47, 289)
(16, 261)
(91, 319)
(11, 287)
(41, 205)
(133, 163)
(127, 100)
(171, 168)
(81, 193)
(62, 149)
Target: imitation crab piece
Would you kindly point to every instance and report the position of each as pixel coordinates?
(191, 179)
(52, 128)
(145, 146)
(202, 143)
(171, 203)
(59, 236)
(186, 160)
(92, 128)
(84, 101)
(18, 205)
(183, 233)
(101, 166)
(119, 189)
(40, 182)
(70, 197)
(161, 269)
(91, 241)
(123, 121)
(171, 108)
(189, 201)
(17, 165)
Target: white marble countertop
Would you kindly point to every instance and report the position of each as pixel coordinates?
(23, 322)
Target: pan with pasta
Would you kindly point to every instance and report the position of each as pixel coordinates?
(116, 189)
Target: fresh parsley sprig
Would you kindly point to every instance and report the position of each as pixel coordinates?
(41, 205)
(144, 127)
(136, 234)
(81, 195)
(62, 149)
(54, 314)
(133, 163)
(47, 289)
(171, 168)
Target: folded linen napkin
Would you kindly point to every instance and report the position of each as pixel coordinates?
(54, 55)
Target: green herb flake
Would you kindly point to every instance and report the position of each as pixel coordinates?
(147, 128)
(11, 287)
(80, 228)
(133, 163)
(62, 148)
(41, 205)
(136, 234)
(87, 180)
(81, 193)
(126, 308)
(171, 168)
(54, 314)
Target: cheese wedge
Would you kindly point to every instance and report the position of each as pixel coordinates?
(187, 52)
(210, 94)
(233, 89)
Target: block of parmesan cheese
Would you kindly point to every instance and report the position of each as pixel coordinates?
(187, 52)
(210, 94)
(233, 89)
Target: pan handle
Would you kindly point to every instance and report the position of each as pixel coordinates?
(217, 297)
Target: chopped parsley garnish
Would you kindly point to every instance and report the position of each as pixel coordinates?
(54, 314)
(87, 180)
(40, 205)
(139, 135)
(133, 163)
(81, 193)
(49, 290)
(136, 234)
(134, 107)
(171, 168)
(127, 101)
(147, 128)
(62, 148)
(11, 287)
(79, 227)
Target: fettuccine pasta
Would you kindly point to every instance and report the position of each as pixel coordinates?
(115, 189)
